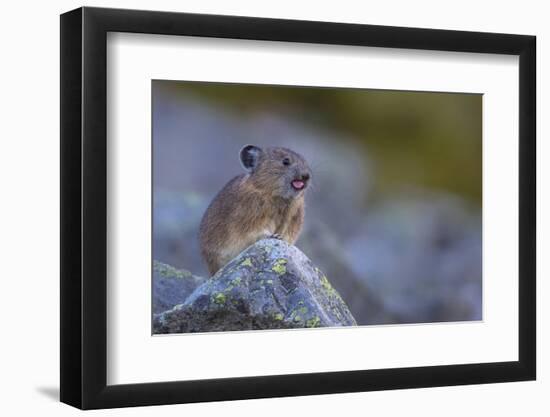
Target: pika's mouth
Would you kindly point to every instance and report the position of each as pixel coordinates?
(298, 185)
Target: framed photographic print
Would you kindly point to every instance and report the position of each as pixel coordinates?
(258, 207)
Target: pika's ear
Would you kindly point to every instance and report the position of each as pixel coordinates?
(250, 155)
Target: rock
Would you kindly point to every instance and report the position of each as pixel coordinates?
(271, 285)
(320, 242)
(422, 252)
(171, 286)
(176, 219)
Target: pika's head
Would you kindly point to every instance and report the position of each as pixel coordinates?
(279, 171)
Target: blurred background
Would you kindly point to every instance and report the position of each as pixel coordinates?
(393, 217)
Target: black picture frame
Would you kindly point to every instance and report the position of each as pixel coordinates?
(84, 207)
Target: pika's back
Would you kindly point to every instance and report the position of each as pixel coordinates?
(266, 201)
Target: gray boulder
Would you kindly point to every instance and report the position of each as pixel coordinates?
(171, 286)
(271, 285)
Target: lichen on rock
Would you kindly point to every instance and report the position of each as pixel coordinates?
(171, 286)
(271, 285)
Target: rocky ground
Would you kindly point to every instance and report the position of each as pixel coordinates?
(271, 285)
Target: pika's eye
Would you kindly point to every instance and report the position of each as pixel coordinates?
(286, 161)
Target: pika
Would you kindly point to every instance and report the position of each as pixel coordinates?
(266, 201)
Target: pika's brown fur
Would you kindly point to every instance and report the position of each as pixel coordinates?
(267, 201)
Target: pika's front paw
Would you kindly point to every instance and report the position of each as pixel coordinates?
(276, 236)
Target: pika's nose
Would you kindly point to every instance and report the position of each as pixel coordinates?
(305, 177)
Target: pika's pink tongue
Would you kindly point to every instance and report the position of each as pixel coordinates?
(298, 184)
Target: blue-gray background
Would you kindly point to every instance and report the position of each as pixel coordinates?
(394, 214)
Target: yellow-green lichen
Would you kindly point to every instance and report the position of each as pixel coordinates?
(313, 322)
(297, 313)
(329, 289)
(278, 317)
(169, 271)
(247, 262)
(279, 266)
(219, 298)
(326, 285)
